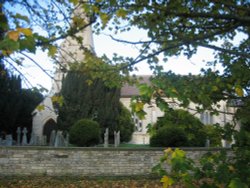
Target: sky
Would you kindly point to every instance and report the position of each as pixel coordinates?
(103, 44)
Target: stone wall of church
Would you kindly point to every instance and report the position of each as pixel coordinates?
(50, 161)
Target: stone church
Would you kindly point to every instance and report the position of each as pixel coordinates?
(44, 121)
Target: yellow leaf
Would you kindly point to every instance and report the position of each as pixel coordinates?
(52, 51)
(167, 181)
(25, 31)
(169, 150)
(231, 168)
(239, 91)
(89, 82)
(40, 107)
(139, 106)
(75, 2)
(178, 153)
(14, 35)
(6, 52)
(105, 18)
(121, 13)
(57, 99)
(214, 88)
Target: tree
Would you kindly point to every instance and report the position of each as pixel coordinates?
(173, 27)
(125, 123)
(180, 119)
(94, 100)
(10, 100)
(16, 104)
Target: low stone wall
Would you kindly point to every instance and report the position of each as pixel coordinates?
(83, 161)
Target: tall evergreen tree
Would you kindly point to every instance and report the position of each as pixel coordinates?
(16, 104)
(95, 101)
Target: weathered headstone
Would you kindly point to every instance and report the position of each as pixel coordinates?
(24, 138)
(67, 140)
(8, 140)
(52, 138)
(117, 138)
(106, 138)
(32, 139)
(59, 141)
(18, 136)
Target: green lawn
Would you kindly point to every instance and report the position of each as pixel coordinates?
(134, 145)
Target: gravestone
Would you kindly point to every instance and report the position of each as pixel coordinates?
(52, 138)
(117, 138)
(32, 139)
(18, 136)
(24, 138)
(8, 140)
(59, 140)
(67, 140)
(106, 138)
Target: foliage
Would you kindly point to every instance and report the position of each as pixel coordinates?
(94, 101)
(214, 134)
(169, 137)
(216, 169)
(84, 132)
(181, 119)
(125, 123)
(173, 27)
(16, 104)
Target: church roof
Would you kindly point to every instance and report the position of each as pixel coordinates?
(128, 91)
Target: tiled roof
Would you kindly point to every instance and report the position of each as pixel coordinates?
(131, 90)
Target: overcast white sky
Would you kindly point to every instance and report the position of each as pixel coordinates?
(105, 45)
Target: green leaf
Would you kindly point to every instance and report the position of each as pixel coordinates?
(28, 43)
(144, 89)
(22, 17)
(25, 31)
(236, 183)
(121, 13)
(9, 45)
(75, 2)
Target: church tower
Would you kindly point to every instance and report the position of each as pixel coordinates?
(71, 51)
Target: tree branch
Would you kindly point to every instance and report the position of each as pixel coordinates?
(32, 60)
(246, 55)
(16, 69)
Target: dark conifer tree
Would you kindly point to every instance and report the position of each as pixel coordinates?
(94, 101)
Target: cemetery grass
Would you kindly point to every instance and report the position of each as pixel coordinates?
(78, 182)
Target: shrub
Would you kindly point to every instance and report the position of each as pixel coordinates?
(84, 132)
(191, 125)
(169, 136)
(214, 134)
